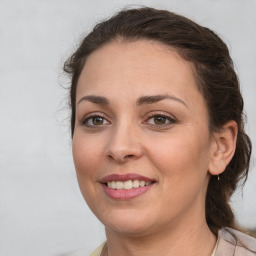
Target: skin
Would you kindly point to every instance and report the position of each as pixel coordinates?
(179, 153)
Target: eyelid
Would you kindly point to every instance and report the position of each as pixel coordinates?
(168, 116)
(161, 113)
(91, 115)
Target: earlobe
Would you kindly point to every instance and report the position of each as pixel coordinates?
(223, 148)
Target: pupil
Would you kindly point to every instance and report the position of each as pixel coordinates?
(97, 120)
(159, 120)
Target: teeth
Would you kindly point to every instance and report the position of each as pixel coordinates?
(136, 183)
(142, 183)
(119, 185)
(129, 184)
(113, 184)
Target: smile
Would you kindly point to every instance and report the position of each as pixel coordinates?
(126, 186)
(129, 184)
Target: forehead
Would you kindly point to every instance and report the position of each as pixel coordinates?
(127, 68)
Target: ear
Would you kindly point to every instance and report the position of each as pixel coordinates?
(223, 148)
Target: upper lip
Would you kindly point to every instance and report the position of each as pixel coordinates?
(124, 177)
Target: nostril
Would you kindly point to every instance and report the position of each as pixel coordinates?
(122, 153)
(120, 158)
(129, 156)
(110, 157)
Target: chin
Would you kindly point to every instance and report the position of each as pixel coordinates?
(128, 229)
(130, 223)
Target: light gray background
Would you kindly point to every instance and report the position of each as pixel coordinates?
(41, 210)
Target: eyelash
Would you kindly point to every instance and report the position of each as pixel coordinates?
(170, 120)
(166, 118)
(90, 117)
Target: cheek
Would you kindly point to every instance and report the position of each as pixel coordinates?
(182, 157)
(182, 167)
(86, 154)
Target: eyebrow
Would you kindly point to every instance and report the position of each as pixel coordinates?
(151, 99)
(156, 98)
(94, 99)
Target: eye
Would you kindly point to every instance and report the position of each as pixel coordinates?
(160, 120)
(95, 121)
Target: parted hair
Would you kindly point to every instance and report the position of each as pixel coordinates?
(215, 77)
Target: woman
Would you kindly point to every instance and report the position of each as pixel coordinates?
(158, 138)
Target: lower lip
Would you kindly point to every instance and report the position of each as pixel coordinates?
(125, 194)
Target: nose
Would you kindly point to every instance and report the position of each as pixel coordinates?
(124, 144)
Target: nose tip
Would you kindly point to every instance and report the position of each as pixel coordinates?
(122, 155)
(124, 146)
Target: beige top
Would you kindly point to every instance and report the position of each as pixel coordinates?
(98, 251)
(235, 243)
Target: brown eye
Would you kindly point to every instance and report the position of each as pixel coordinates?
(93, 121)
(97, 120)
(160, 120)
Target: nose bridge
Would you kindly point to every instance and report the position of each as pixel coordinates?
(124, 141)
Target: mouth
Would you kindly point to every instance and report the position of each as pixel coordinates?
(127, 186)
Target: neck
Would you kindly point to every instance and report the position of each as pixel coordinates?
(186, 239)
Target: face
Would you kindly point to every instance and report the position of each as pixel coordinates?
(141, 143)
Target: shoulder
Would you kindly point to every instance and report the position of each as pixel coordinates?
(233, 242)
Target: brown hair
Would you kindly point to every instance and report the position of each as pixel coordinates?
(215, 76)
